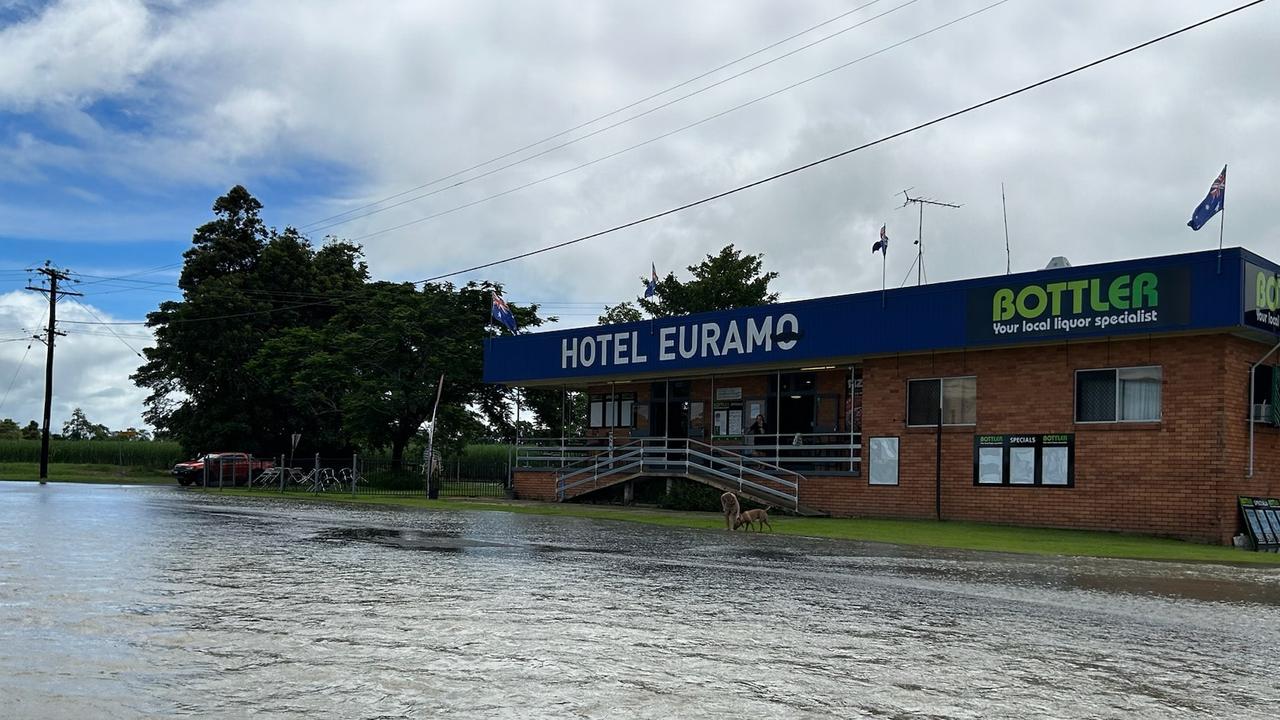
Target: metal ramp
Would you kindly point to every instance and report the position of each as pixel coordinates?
(760, 481)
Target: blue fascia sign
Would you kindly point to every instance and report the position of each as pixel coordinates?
(1188, 292)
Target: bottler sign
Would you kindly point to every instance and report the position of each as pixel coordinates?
(1261, 298)
(1097, 305)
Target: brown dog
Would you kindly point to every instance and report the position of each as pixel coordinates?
(729, 503)
(760, 517)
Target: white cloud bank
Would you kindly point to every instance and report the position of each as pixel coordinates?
(1104, 165)
(91, 367)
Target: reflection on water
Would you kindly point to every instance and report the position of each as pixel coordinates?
(144, 602)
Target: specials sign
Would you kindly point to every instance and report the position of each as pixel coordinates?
(1261, 298)
(1110, 302)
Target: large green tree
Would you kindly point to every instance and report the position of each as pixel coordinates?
(242, 284)
(726, 280)
(376, 365)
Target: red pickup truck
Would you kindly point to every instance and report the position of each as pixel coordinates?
(234, 468)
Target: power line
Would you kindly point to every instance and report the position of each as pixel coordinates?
(609, 114)
(21, 363)
(669, 133)
(148, 271)
(843, 153)
(94, 315)
(770, 178)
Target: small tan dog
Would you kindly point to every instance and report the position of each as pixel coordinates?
(759, 517)
(729, 503)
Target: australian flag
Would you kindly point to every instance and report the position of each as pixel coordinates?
(1213, 202)
(651, 287)
(502, 313)
(881, 245)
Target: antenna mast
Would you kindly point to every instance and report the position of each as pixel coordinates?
(1005, 211)
(921, 202)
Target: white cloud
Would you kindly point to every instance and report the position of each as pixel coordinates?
(73, 52)
(91, 367)
(1101, 166)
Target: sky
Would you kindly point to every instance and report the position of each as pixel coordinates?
(121, 121)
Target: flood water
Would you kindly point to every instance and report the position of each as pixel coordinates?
(155, 602)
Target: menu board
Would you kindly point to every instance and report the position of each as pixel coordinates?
(1262, 520)
(1024, 460)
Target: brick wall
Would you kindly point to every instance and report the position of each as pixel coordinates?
(1177, 477)
(1238, 357)
(535, 485)
(1170, 477)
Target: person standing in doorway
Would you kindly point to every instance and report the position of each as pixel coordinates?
(756, 428)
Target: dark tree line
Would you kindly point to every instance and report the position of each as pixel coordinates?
(274, 336)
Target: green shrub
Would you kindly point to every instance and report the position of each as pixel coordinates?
(689, 495)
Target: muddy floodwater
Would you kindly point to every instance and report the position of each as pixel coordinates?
(156, 602)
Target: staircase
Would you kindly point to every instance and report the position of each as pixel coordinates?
(662, 457)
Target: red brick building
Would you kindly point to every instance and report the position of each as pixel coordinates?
(1108, 397)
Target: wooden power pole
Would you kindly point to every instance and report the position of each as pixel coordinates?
(51, 332)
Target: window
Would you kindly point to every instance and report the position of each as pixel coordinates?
(1118, 395)
(1266, 391)
(884, 461)
(956, 398)
(613, 410)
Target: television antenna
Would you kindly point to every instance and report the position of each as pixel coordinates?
(921, 201)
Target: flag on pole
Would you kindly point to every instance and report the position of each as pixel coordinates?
(881, 245)
(1213, 202)
(502, 313)
(651, 287)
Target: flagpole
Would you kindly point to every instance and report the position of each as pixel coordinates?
(884, 255)
(1222, 221)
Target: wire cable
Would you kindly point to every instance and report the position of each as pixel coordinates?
(598, 118)
(681, 129)
(850, 151)
(107, 325)
(779, 175)
(21, 363)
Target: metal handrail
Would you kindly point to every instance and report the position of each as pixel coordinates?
(645, 452)
(608, 459)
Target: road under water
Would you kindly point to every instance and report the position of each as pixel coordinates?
(155, 602)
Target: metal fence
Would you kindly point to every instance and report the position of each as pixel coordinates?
(354, 475)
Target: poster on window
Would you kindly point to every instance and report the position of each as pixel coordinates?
(1022, 465)
(1053, 466)
(991, 465)
(884, 461)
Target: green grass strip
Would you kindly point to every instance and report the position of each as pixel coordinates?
(86, 473)
(948, 534)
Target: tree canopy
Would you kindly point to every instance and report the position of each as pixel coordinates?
(726, 280)
(274, 336)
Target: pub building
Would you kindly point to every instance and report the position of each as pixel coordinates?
(1133, 396)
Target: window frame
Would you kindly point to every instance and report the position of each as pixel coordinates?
(1115, 370)
(942, 401)
(1265, 389)
(611, 405)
